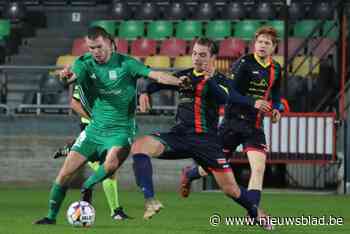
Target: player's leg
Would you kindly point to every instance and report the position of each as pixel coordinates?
(116, 155)
(141, 151)
(188, 175)
(255, 147)
(110, 188)
(72, 163)
(257, 161)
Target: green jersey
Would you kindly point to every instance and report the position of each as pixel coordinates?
(110, 91)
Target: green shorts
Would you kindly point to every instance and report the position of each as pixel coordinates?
(95, 148)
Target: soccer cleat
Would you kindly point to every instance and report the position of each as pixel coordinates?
(86, 195)
(152, 207)
(157, 205)
(264, 220)
(119, 214)
(45, 221)
(63, 152)
(185, 183)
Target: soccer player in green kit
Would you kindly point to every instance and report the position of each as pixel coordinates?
(107, 82)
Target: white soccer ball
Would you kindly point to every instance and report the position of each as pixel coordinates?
(81, 214)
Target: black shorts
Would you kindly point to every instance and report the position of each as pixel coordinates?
(235, 132)
(204, 148)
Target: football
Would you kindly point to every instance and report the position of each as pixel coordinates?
(81, 214)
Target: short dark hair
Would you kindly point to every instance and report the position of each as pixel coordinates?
(209, 43)
(97, 31)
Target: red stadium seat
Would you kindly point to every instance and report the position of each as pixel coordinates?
(143, 47)
(321, 47)
(173, 47)
(122, 45)
(79, 47)
(293, 45)
(231, 48)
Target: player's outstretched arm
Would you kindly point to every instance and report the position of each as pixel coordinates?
(164, 78)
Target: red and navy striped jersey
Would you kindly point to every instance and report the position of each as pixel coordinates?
(254, 80)
(198, 107)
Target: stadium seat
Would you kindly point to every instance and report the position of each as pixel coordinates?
(79, 47)
(158, 61)
(322, 10)
(205, 11)
(231, 48)
(321, 47)
(279, 59)
(50, 84)
(175, 11)
(173, 47)
(143, 47)
(234, 11)
(293, 45)
(120, 10)
(296, 10)
(131, 30)
(264, 10)
(5, 28)
(246, 29)
(218, 29)
(55, 2)
(147, 11)
(14, 11)
(83, 2)
(122, 45)
(303, 28)
(108, 25)
(278, 25)
(65, 60)
(183, 62)
(188, 30)
(160, 29)
(330, 29)
(303, 69)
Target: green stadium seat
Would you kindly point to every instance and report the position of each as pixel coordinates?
(108, 25)
(131, 29)
(278, 25)
(218, 29)
(303, 28)
(159, 30)
(330, 30)
(246, 29)
(5, 28)
(188, 30)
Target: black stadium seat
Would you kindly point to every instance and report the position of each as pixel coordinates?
(205, 11)
(296, 11)
(120, 10)
(147, 11)
(264, 10)
(175, 11)
(322, 10)
(234, 10)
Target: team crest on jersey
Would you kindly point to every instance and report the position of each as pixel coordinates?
(112, 75)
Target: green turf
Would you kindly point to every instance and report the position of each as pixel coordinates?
(20, 207)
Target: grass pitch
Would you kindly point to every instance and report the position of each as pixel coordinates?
(19, 207)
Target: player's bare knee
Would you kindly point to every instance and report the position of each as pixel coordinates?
(258, 169)
(146, 145)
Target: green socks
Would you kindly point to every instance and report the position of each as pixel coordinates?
(57, 195)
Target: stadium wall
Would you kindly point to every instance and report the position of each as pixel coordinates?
(27, 144)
